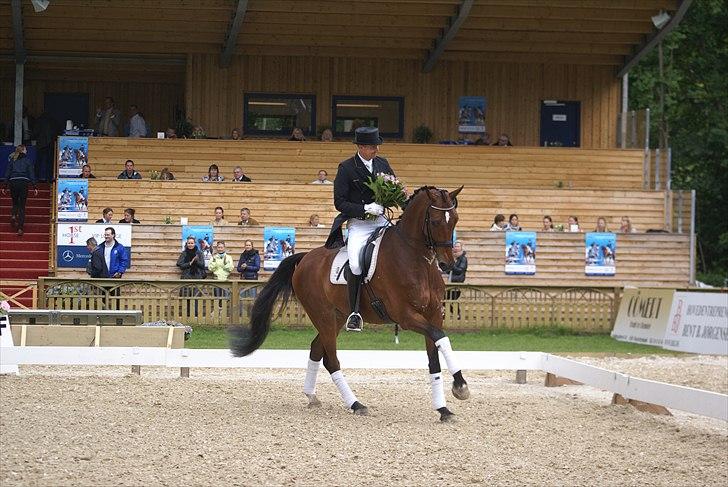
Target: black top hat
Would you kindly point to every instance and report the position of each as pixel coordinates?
(367, 136)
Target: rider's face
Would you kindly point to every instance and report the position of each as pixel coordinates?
(368, 151)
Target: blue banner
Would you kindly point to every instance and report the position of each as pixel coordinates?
(72, 155)
(471, 114)
(600, 254)
(278, 243)
(72, 200)
(204, 237)
(71, 250)
(521, 253)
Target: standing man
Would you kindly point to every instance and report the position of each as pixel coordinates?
(137, 124)
(108, 120)
(110, 258)
(355, 201)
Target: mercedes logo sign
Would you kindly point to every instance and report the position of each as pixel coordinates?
(68, 255)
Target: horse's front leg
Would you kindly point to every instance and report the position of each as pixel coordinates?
(459, 386)
(438, 391)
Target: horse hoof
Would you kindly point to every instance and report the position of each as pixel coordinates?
(360, 409)
(461, 392)
(446, 415)
(313, 401)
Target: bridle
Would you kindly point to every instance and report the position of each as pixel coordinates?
(430, 242)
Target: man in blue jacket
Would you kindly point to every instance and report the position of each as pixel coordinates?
(110, 258)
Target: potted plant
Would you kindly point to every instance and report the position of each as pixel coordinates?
(422, 134)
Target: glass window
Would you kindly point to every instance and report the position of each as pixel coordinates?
(278, 114)
(383, 112)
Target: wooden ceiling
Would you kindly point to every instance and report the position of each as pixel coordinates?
(597, 32)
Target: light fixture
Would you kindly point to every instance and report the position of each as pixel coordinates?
(660, 19)
(268, 103)
(356, 105)
(39, 5)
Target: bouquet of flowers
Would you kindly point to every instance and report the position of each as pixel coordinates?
(388, 190)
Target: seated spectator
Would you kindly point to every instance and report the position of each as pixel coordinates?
(137, 124)
(235, 134)
(191, 261)
(601, 225)
(548, 224)
(245, 219)
(499, 223)
(513, 225)
(219, 217)
(323, 178)
(297, 135)
(109, 259)
(129, 216)
(573, 225)
(198, 133)
(170, 133)
(166, 175)
(213, 174)
(221, 264)
(314, 221)
(129, 172)
(327, 136)
(626, 225)
(503, 141)
(239, 177)
(86, 172)
(107, 215)
(249, 263)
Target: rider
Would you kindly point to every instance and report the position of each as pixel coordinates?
(355, 201)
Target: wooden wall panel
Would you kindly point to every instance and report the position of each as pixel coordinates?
(214, 96)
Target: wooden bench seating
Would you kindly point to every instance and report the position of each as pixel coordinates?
(416, 164)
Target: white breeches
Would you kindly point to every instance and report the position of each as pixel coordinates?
(359, 232)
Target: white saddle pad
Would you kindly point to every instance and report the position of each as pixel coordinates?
(336, 276)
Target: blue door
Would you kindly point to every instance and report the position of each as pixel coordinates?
(560, 123)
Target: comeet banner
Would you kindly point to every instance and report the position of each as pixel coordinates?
(279, 243)
(643, 315)
(698, 323)
(600, 254)
(71, 250)
(72, 200)
(72, 155)
(471, 114)
(520, 253)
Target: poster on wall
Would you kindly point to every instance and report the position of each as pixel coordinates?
(698, 323)
(71, 249)
(204, 236)
(72, 155)
(72, 200)
(471, 114)
(521, 253)
(278, 243)
(600, 254)
(643, 315)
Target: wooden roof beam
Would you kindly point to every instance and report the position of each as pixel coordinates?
(20, 53)
(231, 38)
(441, 43)
(655, 38)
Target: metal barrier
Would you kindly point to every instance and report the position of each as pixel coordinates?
(75, 317)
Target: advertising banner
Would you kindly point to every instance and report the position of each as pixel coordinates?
(600, 254)
(698, 323)
(72, 199)
(279, 243)
(643, 315)
(204, 237)
(72, 155)
(71, 250)
(521, 253)
(471, 114)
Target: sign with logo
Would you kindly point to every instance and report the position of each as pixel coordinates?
(71, 250)
(204, 238)
(600, 254)
(471, 114)
(521, 253)
(72, 155)
(278, 243)
(72, 200)
(698, 323)
(643, 315)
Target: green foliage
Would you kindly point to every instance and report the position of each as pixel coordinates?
(696, 109)
(422, 134)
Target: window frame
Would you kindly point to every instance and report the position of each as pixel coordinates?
(399, 135)
(311, 132)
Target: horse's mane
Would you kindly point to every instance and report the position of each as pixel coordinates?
(423, 188)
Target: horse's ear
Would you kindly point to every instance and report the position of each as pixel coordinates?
(454, 194)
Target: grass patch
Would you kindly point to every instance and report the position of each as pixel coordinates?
(545, 339)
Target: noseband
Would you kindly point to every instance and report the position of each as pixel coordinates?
(431, 243)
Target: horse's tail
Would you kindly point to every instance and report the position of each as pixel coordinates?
(244, 341)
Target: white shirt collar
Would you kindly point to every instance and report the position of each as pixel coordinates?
(367, 162)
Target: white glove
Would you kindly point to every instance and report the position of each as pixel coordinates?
(373, 209)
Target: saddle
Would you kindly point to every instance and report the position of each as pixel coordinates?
(368, 257)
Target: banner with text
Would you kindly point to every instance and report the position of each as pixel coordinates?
(71, 250)
(471, 114)
(72, 199)
(698, 323)
(521, 253)
(279, 243)
(600, 254)
(643, 315)
(72, 155)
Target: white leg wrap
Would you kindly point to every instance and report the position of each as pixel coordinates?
(443, 345)
(346, 395)
(309, 385)
(438, 391)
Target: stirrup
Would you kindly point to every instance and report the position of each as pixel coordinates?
(354, 322)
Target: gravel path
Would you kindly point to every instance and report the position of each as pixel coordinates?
(102, 426)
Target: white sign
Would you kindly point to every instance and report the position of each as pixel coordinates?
(71, 239)
(698, 323)
(643, 315)
(558, 117)
(6, 341)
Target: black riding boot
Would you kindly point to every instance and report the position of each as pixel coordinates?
(354, 322)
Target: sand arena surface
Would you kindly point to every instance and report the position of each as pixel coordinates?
(102, 426)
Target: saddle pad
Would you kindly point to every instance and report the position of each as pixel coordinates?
(336, 276)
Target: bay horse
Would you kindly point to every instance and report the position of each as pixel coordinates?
(407, 280)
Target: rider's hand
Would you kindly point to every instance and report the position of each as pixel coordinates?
(373, 209)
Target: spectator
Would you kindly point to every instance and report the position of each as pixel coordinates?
(499, 223)
(323, 178)
(548, 224)
(109, 259)
(601, 225)
(573, 225)
(513, 225)
(170, 133)
(166, 175)
(137, 124)
(129, 216)
(108, 120)
(198, 133)
(327, 136)
(239, 177)
(107, 215)
(91, 245)
(235, 134)
(314, 221)
(503, 141)
(129, 172)
(219, 217)
(246, 220)
(213, 174)
(18, 174)
(456, 273)
(221, 264)
(191, 261)
(249, 263)
(297, 135)
(86, 172)
(626, 225)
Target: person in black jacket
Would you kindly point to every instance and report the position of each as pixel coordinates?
(356, 203)
(19, 173)
(456, 273)
(249, 263)
(191, 261)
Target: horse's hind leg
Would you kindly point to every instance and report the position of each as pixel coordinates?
(314, 362)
